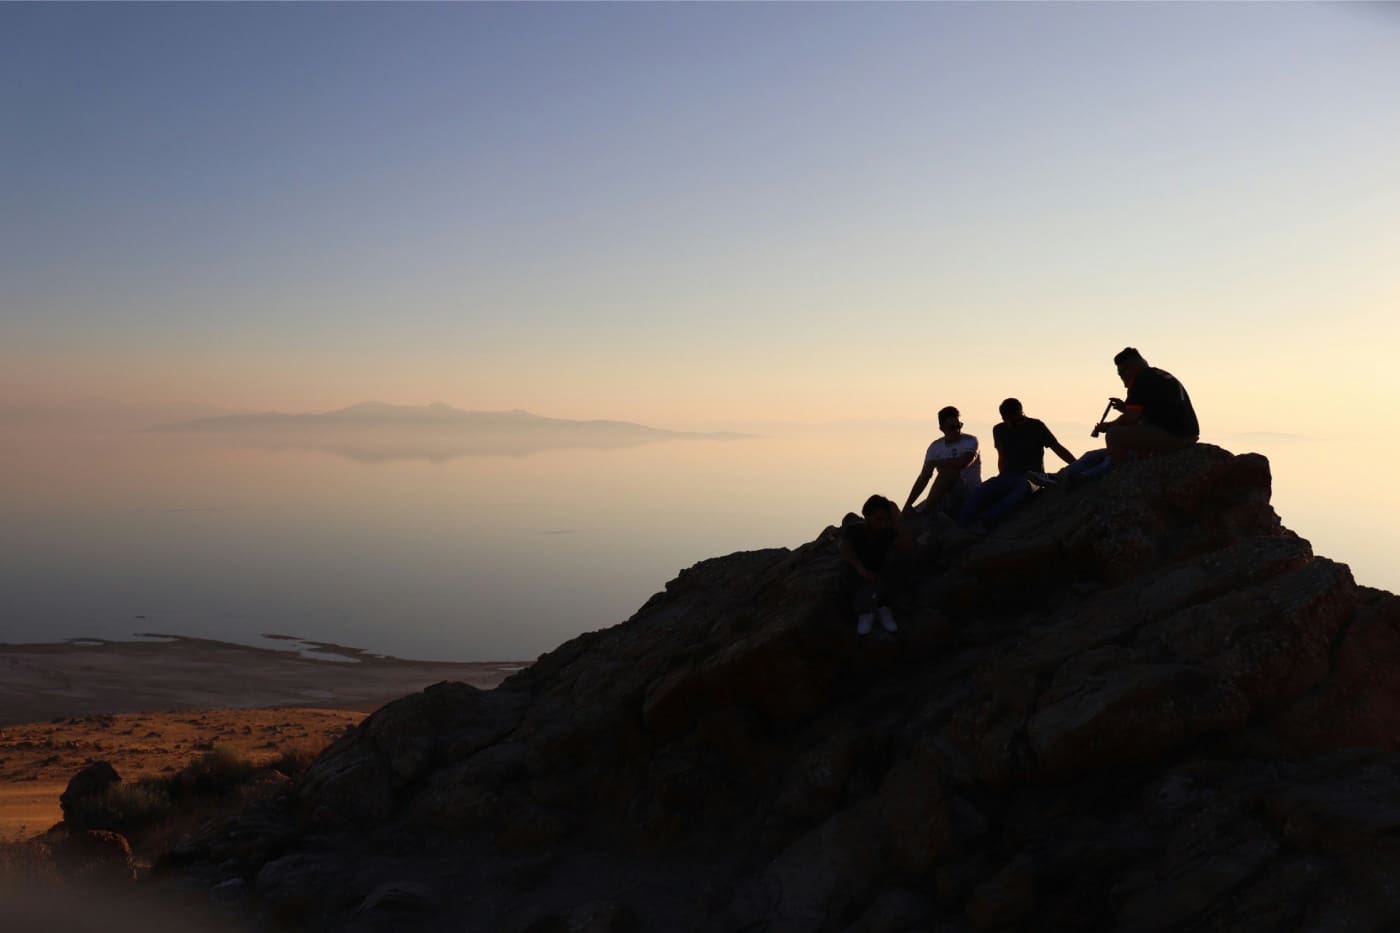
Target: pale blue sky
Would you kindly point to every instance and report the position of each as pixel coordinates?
(693, 213)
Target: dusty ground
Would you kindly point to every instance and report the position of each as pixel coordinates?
(150, 708)
(37, 760)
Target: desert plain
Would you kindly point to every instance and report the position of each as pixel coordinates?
(150, 707)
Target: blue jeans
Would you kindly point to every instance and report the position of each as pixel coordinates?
(995, 499)
(1092, 465)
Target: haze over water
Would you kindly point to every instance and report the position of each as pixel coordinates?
(476, 557)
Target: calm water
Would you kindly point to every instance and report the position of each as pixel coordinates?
(455, 556)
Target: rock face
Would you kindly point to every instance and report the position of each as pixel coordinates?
(1141, 705)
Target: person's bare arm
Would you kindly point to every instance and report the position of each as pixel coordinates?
(919, 484)
(1060, 450)
(1131, 414)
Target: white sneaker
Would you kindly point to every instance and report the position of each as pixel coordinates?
(887, 619)
(864, 623)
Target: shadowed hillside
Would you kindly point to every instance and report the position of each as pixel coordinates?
(1142, 705)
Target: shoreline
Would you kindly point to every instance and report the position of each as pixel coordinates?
(275, 642)
(151, 706)
(44, 681)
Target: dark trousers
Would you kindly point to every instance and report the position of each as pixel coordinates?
(891, 587)
(947, 494)
(995, 499)
(1092, 465)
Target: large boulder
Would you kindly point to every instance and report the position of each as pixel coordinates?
(91, 782)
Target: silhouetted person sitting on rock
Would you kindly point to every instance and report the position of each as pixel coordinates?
(958, 465)
(1157, 417)
(871, 581)
(1021, 443)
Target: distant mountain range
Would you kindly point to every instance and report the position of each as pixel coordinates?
(381, 431)
(383, 414)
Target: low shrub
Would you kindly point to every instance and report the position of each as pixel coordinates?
(293, 760)
(128, 809)
(213, 774)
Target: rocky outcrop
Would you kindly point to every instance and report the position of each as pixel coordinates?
(88, 784)
(95, 856)
(1142, 705)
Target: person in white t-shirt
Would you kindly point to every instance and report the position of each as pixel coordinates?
(955, 459)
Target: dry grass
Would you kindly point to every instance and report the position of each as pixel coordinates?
(158, 813)
(124, 808)
(213, 774)
(295, 757)
(38, 759)
(27, 863)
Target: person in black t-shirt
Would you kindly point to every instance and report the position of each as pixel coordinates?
(1156, 416)
(1021, 443)
(869, 578)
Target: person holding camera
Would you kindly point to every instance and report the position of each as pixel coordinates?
(1156, 417)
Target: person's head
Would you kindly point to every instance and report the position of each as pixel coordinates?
(878, 512)
(1011, 411)
(948, 421)
(1129, 362)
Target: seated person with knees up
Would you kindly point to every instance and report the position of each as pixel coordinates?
(1157, 417)
(870, 578)
(958, 465)
(1020, 444)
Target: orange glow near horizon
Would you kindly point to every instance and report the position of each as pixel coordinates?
(1327, 372)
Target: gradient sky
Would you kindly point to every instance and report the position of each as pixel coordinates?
(702, 214)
